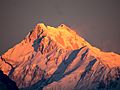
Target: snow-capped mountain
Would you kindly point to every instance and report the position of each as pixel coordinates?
(58, 59)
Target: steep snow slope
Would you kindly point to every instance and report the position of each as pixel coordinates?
(58, 59)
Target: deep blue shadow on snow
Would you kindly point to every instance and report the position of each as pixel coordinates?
(88, 68)
(83, 57)
(60, 72)
(36, 43)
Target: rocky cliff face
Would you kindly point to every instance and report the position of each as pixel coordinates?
(58, 59)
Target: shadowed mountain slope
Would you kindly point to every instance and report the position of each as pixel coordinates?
(6, 83)
(58, 59)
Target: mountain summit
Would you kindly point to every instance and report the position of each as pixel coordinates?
(58, 59)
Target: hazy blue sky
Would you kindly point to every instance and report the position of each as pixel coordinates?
(98, 21)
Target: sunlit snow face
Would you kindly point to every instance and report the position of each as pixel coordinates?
(97, 21)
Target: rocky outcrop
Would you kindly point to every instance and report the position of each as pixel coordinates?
(58, 59)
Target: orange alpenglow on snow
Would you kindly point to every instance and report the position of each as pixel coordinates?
(43, 50)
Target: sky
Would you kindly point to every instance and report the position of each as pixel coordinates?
(97, 21)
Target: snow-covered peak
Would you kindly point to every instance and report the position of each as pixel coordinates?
(58, 58)
(62, 35)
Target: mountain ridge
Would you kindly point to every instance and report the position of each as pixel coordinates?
(49, 55)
